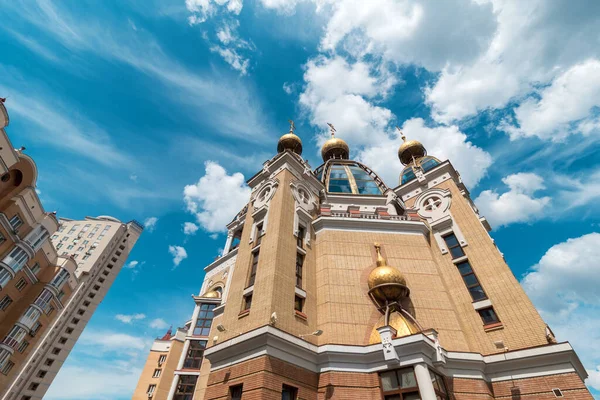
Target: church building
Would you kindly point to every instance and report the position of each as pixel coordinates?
(333, 285)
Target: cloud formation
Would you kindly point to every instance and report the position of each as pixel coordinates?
(563, 285)
(179, 254)
(158, 323)
(128, 319)
(217, 197)
(518, 204)
(150, 223)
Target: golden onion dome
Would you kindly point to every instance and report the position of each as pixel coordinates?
(211, 294)
(386, 283)
(403, 325)
(290, 141)
(410, 150)
(335, 147)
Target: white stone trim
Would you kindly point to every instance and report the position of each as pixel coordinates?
(248, 290)
(419, 348)
(478, 305)
(300, 292)
(370, 225)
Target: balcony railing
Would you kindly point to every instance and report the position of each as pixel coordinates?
(30, 317)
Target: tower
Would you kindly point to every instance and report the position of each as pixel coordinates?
(333, 285)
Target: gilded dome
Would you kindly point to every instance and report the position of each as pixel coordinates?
(409, 150)
(290, 141)
(403, 325)
(211, 294)
(386, 283)
(335, 148)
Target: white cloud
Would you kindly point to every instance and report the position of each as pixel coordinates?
(112, 341)
(563, 285)
(179, 254)
(552, 37)
(424, 33)
(343, 91)
(131, 264)
(285, 7)
(133, 177)
(443, 142)
(288, 88)
(158, 323)
(233, 58)
(217, 197)
(189, 228)
(127, 319)
(570, 98)
(232, 48)
(201, 10)
(518, 204)
(107, 365)
(150, 223)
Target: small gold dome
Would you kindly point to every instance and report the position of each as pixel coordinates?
(410, 149)
(335, 148)
(386, 283)
(400, 322)
(211, 294)
(290, 141)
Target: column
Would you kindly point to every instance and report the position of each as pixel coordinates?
(227, 247)
(173, 387)
(424, 381)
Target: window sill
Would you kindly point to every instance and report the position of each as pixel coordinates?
(459, 259)
(493, 327)
(300, 250)
(243, 313)
(300, 315)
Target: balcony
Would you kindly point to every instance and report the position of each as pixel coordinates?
(30, 317)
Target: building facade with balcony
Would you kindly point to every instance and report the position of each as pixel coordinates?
(35, 282)
(53, 274)
(334, 285)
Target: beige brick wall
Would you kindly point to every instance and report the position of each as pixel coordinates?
(163, 383)
(522, 325)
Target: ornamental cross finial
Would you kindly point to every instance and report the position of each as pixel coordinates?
(292, 126)
(332, 128)
(401, 134)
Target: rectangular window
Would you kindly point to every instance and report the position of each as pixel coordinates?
(439, 385)
(49, 362)
(151, 390)
(73, 229)
(58, 246)
(2, 238)
(62, 340)
(253, 268)
(157, 373)
(75, 321)
(488, 316)
(61, 294)
(193, 359)
(162, 359)
(35, 328)
(21, 284)
(299, 264)
(49, 310)
(7, 367)
(204, 321)
(55, 351)
(235, 392)
(185, 387)
(471, 281)
(247, 301)
(298, 303)
(41, 373)
(453, 246)
(259, 233)
(400, 384)
(300, 238)
(68, 331)
(15, 222)
(24, 344)
(35, 269)
(5, 302)
(289, 393)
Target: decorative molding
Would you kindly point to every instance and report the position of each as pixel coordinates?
(419, 348)
(370, 225)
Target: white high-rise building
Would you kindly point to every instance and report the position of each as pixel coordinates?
(100, 246)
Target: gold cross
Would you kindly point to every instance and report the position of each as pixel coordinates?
(401, 133)
(292, 126)
(332, 128)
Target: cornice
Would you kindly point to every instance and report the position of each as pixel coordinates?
(418, 348)
(370, 225)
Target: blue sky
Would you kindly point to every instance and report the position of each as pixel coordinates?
(159, 110)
